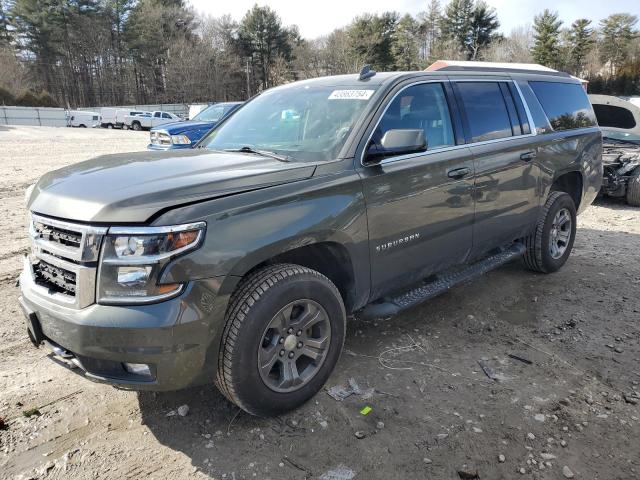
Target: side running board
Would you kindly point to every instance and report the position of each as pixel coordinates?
(440, 283)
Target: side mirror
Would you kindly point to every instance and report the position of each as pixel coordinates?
(397, 142)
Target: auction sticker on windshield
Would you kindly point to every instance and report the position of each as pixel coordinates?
(351, 94)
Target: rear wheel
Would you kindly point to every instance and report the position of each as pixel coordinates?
(550, 245)
(136, 126)
(633, 189)
(284, 331)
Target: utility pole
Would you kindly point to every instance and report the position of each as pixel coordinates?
(248, 83)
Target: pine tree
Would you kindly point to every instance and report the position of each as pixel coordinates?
(617, 31)
(483, 25)
(581, 42)
(371, 38)
(405, 46)
(457, 22)
(546, 47)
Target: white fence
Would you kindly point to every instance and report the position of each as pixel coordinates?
(57, 117)
(43, 117)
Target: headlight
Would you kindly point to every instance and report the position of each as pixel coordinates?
(180, 140)
(28, 192)
(133, 258)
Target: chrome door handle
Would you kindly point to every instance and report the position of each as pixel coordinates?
(528, 156)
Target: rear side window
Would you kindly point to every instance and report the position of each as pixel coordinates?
(566, 104)
(486, 110)
(613, 116)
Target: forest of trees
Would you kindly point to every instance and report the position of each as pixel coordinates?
(75, 53)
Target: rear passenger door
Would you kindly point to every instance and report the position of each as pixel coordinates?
(506, 179)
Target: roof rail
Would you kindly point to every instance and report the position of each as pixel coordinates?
(456, 68)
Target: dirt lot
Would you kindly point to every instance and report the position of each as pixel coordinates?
(571, 401)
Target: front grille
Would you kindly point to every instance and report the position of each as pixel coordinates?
(64, 259)
(54, 278)
(160, 138)
(58, 235)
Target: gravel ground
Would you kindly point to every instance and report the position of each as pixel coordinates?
(562, 350)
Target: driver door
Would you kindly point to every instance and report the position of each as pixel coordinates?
(420, 206)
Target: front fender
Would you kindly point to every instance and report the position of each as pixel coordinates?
(247, 229)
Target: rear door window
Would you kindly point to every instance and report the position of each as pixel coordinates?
(423, 106)
(486, 111)
(565, 104)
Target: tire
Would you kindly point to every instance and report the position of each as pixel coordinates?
(82, 126)
(633, 189)
(136, 126)
(110, 126)
(249, 336)
(540, 255)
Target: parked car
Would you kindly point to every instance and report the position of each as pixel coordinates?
(114, 117)
(84, 119)
(123, 114)
(619, 121)
(186, 134)
(148, 120)
(360, 194)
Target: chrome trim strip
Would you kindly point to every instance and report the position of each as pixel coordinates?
(156, 230)
(142, 300)
(532, 127)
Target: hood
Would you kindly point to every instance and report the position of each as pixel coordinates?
(178, 128)
(131, 187)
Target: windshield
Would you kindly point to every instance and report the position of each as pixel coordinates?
(212, 113)
(301, 123)
(623, 136)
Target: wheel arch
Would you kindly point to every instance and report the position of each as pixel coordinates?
(572, 183)
(329, 257)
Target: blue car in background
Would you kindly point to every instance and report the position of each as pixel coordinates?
(176, 135)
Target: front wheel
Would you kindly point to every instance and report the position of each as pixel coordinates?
(284, 331)
(550, 245)
(136, 126)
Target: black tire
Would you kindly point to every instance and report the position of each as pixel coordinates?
(633, 189)
(538, 256)
(136, 126)
(254, 304)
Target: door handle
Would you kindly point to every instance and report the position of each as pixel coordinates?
(459, 172)
(528, 156)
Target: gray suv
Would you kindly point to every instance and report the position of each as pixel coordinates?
(238, 262)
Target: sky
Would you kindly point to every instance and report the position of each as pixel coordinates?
(320, 17)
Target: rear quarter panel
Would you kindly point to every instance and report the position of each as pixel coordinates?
(572, 151)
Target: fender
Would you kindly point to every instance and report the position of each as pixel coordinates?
(249, 229)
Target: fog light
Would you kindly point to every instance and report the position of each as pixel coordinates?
(141, 369)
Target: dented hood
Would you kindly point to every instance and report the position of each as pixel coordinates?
(131, 187)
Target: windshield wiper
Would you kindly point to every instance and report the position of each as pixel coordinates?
(264, 153)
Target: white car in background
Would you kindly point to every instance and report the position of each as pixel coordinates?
(84, 119)
(149, 120)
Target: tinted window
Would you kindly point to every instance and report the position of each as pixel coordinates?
(166, 115)
(423, 107)
(486, 111)
(157, 114)
(612, 116)
(566, 104)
